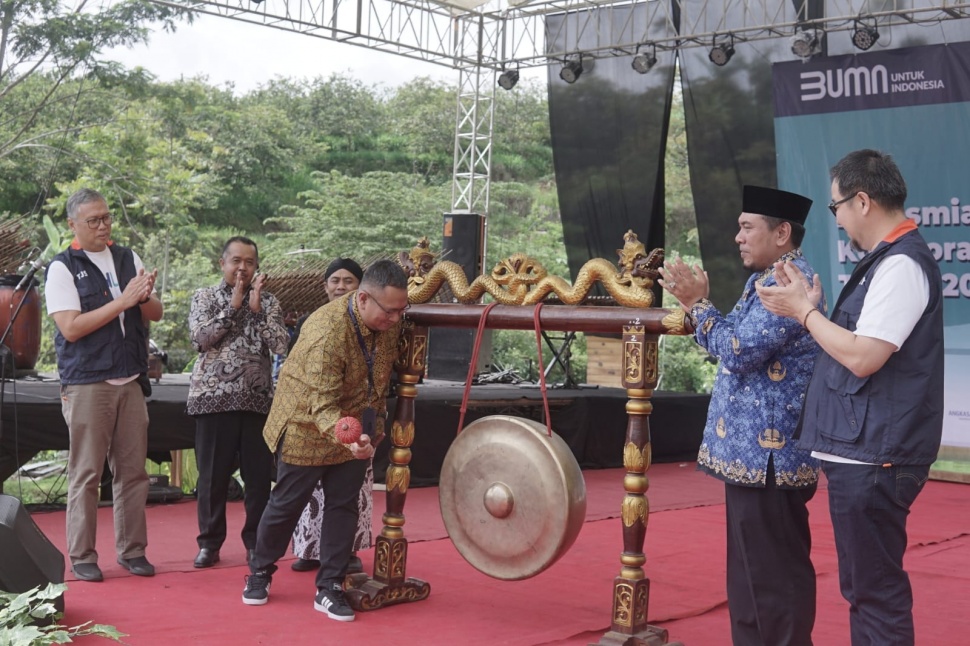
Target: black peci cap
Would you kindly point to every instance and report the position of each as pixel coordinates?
(776, 204)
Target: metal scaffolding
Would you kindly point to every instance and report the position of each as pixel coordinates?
(482, 39)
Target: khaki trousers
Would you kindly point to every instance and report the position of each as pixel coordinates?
(106, 421)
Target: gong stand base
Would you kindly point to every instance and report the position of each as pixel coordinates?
(390, 584)
(629, 627)
(650, 636)
(365, 593)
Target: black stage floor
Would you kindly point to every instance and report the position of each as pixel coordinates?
(592, 421)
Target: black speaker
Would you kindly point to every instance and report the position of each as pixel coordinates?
(450, 349)
(463, 241)
(29, 560)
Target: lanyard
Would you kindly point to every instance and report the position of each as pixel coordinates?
(369, 416)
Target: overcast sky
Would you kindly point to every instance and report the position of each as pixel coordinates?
(248, 55)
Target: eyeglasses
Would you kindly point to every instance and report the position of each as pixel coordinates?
(398, 312)
(834, 206)
(94, 223)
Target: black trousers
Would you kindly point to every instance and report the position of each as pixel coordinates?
(219, 438)
(770, 577)
(294, 487)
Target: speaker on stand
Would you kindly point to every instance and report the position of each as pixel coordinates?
(29, 560)
(450, 349)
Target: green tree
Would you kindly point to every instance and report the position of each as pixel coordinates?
(376, 213)
(521, 140)
(684, 366)
(65, 43)
(524, 218)
(421, 114)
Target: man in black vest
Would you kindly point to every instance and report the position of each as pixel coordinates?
(874, 409)
(100, 297)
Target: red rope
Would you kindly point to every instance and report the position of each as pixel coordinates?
(474, 363)
(542, 369)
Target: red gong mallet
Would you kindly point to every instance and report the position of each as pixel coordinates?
(348, 430)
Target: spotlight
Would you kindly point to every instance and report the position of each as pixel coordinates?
(807, 43)
(571, 70)
(721, 54)
(508, 79)
(642, 63)
(864, 36)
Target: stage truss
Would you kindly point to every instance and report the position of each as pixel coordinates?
(482, 39)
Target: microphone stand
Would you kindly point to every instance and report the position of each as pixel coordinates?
(5, 354)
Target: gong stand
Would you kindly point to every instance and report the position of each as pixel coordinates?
(390, 583)
(641, 329)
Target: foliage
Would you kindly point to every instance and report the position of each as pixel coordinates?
(528, 218)
(376, 213)
(53, 79)
(330, 164)
(51, 489)
(48, 490)
(180, 274)
(684, 366)
(22, 616)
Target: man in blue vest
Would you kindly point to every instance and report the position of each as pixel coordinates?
(765, 363)
(874, 408)
(100, 297)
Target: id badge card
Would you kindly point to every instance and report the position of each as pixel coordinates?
(368, 421)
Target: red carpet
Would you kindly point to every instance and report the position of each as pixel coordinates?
(569, 604)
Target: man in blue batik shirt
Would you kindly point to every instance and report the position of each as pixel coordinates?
(765, 363)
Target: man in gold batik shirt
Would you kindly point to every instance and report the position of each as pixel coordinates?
(340, 367)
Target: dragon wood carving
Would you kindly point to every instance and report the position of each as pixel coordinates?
(521, 280)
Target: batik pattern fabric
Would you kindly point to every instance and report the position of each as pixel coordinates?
(234, 369)
(765, 363)
(306, 536)
(324, 379)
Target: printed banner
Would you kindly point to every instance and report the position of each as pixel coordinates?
(913, 103)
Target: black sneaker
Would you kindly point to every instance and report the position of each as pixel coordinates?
(333, 601)
(305, 565)
(257, 588)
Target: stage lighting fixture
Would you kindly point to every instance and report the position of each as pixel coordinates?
(571, 70)
(864, 36)
(508, 79)
(721, 54)
(643, 63)
(807, 43)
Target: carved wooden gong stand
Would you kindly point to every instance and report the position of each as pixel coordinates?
(641, 328)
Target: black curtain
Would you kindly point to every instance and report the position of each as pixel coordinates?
(609, 131)
(730, 135)
(730, 120)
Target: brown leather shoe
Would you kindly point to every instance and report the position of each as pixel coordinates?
(207, 557)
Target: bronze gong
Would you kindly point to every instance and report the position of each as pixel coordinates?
(513, 499)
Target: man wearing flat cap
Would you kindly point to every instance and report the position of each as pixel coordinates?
(342, 276)
(765, 364)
